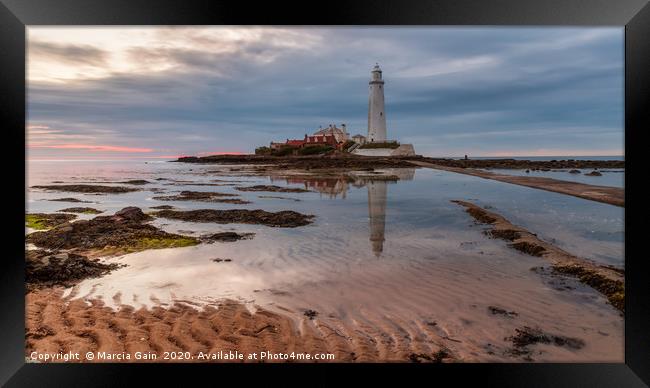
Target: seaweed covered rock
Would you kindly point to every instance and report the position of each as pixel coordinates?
(82, 210)
(46, 269)
(45, 221)
(90, 189)
(123, 232)
(272, 188)
(227, 237)
(203, 196)
(285, 218)
(131, 213)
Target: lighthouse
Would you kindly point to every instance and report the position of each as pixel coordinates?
(376, 112)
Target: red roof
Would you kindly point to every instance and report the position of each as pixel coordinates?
(295, 142)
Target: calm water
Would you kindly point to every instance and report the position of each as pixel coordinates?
(610, 177)
(382, 253)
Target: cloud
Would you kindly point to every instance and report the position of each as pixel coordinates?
(188, 90)
(90, 147)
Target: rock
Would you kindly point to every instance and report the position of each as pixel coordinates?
(499, 311)
(132, 213)
(284, 219)
(121, 233)
(69, 200)
(44, 221)
(203, 196)
(527, 336)
(45, 269)
(93, 189)
(272, 188)
(227, 236)
(83, 210)
(574, 172)
(594, 173)
(136, 182)
(529, 248)
(311, 314)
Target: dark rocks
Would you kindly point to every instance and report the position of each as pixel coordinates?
(285, 219)
(347, 161)
(73, 200)
(614, 290)
(135, 182)
(132, 213)
(44, 221)
(355, 161)
(535, 165)
(504, 234)
(203, 196)
(311, 314)
(436, 357)
(529, 248)
(82, 210)
(227, 237)
(527, 336)
(91, 189)
(276, 197)
(123, 232)
(162, 207)
(594, 173)
(272, 188)
(479, 214)
(574, 172)
(47, 269)
(499, 311)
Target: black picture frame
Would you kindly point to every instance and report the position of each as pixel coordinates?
(15, 15)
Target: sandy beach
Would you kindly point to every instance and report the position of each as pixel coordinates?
(212, 279)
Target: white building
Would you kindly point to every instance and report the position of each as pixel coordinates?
(359, 139)
(340, 134)
(376, 112)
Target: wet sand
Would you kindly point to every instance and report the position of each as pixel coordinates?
(606, 279)
(449, 302)
(428, 308)
(610, 195)
(55, 325)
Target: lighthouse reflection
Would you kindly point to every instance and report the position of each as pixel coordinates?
(376, 182)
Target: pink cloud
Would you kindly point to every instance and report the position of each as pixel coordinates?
(90, 147)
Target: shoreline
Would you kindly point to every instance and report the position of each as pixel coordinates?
(605, 194)
(339, 159)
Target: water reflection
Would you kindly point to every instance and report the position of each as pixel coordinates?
(377, 183)
(377, 192)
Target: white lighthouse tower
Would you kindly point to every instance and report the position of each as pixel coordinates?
(376, 112)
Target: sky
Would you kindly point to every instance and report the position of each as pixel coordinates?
(162, 92)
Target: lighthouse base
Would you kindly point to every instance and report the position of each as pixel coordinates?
(402, 150)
